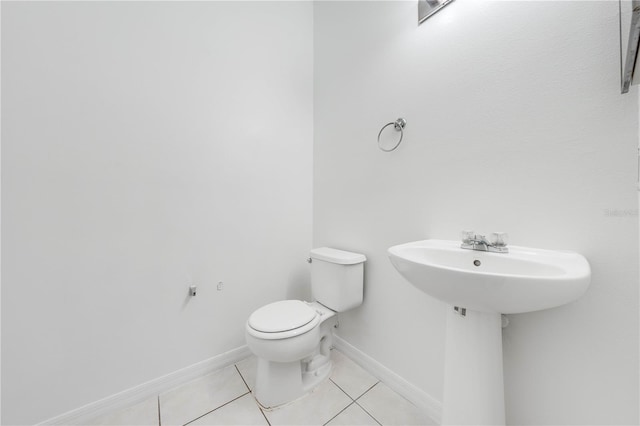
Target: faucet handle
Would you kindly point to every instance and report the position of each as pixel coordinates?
(467, 236)
(499, 239)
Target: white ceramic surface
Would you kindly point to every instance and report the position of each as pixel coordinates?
(523, 280)
(473, 370)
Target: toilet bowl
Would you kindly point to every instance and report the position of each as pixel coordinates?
(292, 339)
(294, 360)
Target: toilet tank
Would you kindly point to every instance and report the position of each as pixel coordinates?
(337, 278)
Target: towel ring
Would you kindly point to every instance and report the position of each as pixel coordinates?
(399, 126)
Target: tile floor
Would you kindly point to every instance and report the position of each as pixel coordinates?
(351, 396)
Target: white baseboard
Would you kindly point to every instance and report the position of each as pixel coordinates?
(431, 406)
(126, 398)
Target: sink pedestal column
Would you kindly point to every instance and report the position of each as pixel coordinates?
(473, 380)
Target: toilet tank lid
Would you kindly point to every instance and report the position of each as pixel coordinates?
(340, 257)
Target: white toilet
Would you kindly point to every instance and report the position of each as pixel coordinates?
(292, 339)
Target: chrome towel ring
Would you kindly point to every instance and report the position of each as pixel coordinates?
(399, 126)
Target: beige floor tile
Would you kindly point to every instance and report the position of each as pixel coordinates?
(247, 368)
(192, 400)
(349, 376)
(242, 411)
(314, 409)
(354, 415)
(389, 408)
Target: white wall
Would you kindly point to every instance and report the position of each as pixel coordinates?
(145, 143)
(515, 123)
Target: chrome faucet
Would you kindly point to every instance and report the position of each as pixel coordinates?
(473, 241)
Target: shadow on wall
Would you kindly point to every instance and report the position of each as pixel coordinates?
(299, 284)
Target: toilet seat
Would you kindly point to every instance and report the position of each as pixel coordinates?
(283, 319)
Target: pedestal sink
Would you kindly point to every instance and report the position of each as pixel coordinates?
(480, 286)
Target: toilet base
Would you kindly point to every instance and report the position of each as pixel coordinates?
(290, 368)
(278, 383)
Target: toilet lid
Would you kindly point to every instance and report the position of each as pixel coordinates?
(282, 316)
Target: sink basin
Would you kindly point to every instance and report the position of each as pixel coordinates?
(487, 285)
(523, 280)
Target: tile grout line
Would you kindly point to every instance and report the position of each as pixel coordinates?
(265, 416)
(343, 391)
(370, 415)
(209, 412)
(363, 409)
(252, 397)
(354, 401)
(245, 382)
(340, 412)
(365, 392)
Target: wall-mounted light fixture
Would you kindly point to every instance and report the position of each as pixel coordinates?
(427, 8)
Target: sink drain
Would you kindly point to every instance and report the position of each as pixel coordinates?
(477, 262)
